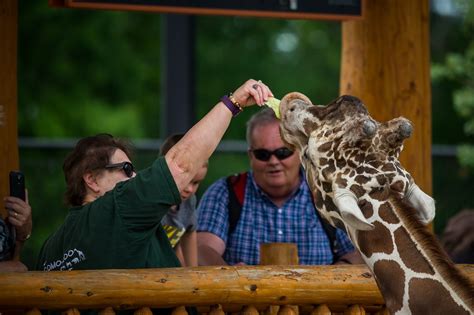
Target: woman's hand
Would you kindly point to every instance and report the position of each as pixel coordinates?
(19, 215)
(252, 92)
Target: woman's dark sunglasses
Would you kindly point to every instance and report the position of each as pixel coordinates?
(127, 168)
(265, 155)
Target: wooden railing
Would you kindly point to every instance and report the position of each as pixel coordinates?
(247, 289)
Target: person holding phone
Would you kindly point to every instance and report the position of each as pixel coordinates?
(15, 230)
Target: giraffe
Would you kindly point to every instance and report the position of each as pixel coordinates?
(358, 184)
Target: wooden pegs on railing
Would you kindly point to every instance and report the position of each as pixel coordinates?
(272, 310)
(143, 311)
(107, 311)
(321, 309)
(216, 310)
(288, 310)
(71, 311)
(33, 311)
(180, 310)
(354, 310)
(249, 310)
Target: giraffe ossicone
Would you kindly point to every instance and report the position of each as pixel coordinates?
(352, 168)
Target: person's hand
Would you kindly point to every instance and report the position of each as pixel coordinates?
(19, 215)
(252, 92)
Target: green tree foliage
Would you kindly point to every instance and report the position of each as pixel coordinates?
(459, 68)
(83, 71)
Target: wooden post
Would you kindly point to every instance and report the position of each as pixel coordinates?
(8, 94)
(278, 254)
(386, 63)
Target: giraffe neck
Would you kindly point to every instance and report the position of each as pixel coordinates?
(413, 273)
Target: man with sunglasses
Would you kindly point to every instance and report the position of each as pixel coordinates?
(277, 207)
(115, 215)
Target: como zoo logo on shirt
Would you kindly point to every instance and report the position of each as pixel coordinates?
(70, 258)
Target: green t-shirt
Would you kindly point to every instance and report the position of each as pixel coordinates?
(120, 230)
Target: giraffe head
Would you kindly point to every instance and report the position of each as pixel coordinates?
(351, 160)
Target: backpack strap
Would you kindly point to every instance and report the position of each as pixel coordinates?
(236, 187)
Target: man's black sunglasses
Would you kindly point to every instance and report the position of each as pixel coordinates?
(265, 155)
(127, 167)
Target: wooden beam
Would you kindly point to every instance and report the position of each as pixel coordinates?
(386, 63)
(8, 94)
(199, 286)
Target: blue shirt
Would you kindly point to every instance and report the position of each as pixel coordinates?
(261, 221)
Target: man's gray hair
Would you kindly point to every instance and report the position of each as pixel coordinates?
(262, 117)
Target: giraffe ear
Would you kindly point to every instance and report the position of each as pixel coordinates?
(421, 202)
(346, 202)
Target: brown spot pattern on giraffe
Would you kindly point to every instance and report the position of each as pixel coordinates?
(323, 162)
(341, 182)
(330, 206)
(398, 186)
(359, 158)
(340, 163)
(357, 190)
(410, 254)
(389, 167)
(329, 170)
(366, 208)
(327, 187)
(309, 126)
(319, 200)
(379, 193)
(392, 291)
(386, 213)
(351, 164)
(360, 170)
(361, 179)
(440, 300)
(381, 179)
(375, 241)
(325, 147)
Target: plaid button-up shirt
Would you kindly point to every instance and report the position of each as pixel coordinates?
(261, 221)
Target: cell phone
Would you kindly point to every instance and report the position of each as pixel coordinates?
(17, 185)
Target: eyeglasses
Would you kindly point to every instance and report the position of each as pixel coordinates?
(265, 155)
(127, 167)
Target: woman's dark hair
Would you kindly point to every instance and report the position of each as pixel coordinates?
(90, 154)
(169, 142)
